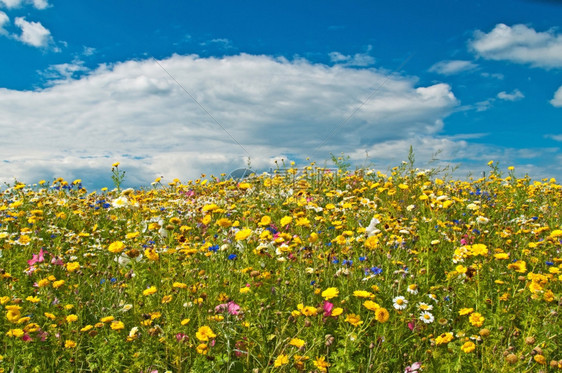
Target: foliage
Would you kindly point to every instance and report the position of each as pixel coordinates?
(314, 270)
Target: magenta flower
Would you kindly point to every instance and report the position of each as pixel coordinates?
(328, 307)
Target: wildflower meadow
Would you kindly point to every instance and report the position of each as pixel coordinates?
(312, 270)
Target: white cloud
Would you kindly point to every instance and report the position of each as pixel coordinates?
(452, 67)
(39, 4)
(557, 99)
(135, 113)
(4, 20)
(520, 44)
(11, 3)
(33, 33)
(554, 137)
(513, 96)
(64, 70)
(358, 59)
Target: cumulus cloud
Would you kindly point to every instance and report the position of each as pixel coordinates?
(135, 113)
(519, 44)
(452, 67)
(11, 3)
(40, 4)
(33, 33)
(4, 20)
(513, 96)
(557, 99)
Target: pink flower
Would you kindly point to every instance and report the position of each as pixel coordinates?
(328, 307)
(233, 308)
(230, 307)
(37, 258)
(413, 368)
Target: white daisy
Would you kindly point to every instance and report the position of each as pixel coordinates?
(400, 302)
(426, 317)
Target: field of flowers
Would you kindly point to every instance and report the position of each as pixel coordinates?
(312, 270)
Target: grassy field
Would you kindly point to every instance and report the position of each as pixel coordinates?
(314, 270)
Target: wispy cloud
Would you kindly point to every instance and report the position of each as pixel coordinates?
(554, 137)
(516, 95)
(39, 4)
(358, 59)
(519, 44)
(557, 99)
(452, 67)
(134, 112)
(33, 33)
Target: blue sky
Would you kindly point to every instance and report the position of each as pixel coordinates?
(88, 83)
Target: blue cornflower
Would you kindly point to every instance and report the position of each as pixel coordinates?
(214, 248)
(376, 270)
(232, 256)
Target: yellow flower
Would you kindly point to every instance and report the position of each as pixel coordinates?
(519, 266)
(185, 321)
(265, 220)
(33, 299)
(321, 364)
(382, 315)
(117, 325)
(69, 343)
(107, 319)
(540, 359)
(444, 338)
(353, 319)
(151, 254)
(242, 234)
(337, 311)
(286, 220)
(371, 306)
(179, 285)
(166, 299)
(13, 314)
(15, 333)
(49, 315)
(330, 293)
(72, 266)
(151, 290)
(476, 319)
(224, 223)
(205, 333)
(468, 347)
(244, 290)
(465, 311)
(86, 328)
(281, 360)
(58, 284)
(363, 294)
(307, 311)
(116, 247)
(298, 343)
(202, 349)
(71, 318)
